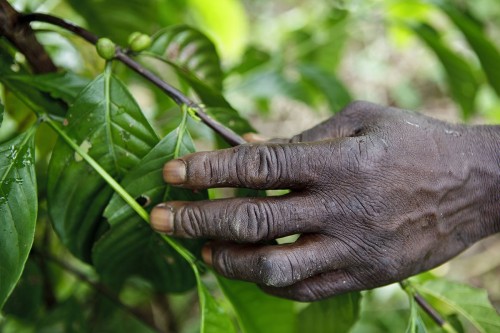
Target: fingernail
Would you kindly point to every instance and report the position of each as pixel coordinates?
(253, 137)
(206, 254)
(162, 219)
(174, 172)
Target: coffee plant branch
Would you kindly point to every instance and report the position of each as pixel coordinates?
(227, 134)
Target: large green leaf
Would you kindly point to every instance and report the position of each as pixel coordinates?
(468, 302)
(18, 208)
(120, 253)
(256, 311)
(462, 79)
(334, 315)
(32, 97)
(65, 85)
(485, 49)
(328, 85)
(190, 50)
(106, 121)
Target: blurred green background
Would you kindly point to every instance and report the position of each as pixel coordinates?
(289, 64)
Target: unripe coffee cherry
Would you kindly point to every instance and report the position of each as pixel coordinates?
(106, 48)
(138, 41)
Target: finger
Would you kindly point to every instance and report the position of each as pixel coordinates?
(353, 120)
(278, 265)
(317, 287)
(257, 166)
(238, 219)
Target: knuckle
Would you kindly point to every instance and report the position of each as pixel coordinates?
(252, 222)
(274, 272)
(263, 162)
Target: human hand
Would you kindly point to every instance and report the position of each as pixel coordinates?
(377, 194)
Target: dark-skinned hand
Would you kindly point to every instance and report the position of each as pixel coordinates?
(378, 194)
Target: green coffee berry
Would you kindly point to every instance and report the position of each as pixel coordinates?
(106, 48)
(138, 41)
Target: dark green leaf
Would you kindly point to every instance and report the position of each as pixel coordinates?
(18, 209)
(25, 302)
(256, 311)
(121, 251)
(106, 121)
(65, 86)
(328, 85)
(468, 302)
(214, 318)
(192, 51)
(334, 315)
(462, 80)
(485, 49)
(32, 97)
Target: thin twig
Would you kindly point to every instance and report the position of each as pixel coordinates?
(227, 134)
(98, 287)
(429, 309)
(422, 302)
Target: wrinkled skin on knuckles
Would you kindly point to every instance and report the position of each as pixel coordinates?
(377, 194)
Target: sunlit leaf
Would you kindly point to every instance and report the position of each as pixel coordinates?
(105, 121)
(18, 209)
(120, 253)
(462, 80)
(335, 315)
(485, 49)
(190, 50)
(256, 311)
(225, 21)
(468, 302)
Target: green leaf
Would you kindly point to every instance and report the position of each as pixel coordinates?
(111, 18)
(328, 85)
(485, 49)
(468, 302)
(26, 301)
(120, 253)
(214, 318)
(415, 324)
(462, 79)
(256, 311)
(334, 315)
(105, 121)
(66, 85)
(18, 208)
(32, 97)
(190, 50)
